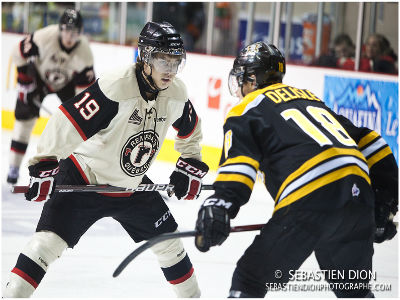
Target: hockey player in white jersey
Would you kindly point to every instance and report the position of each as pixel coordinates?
(110, 134)
(55, 59)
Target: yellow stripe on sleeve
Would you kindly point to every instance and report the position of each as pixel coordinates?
(314, 161)
(242, 160)
(367, 139)
(378, 156)
(236, 178)
(320, 182)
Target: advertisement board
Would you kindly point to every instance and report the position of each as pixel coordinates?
(367, 103)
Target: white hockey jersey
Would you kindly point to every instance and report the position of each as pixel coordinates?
(56, 66)
(114, 135)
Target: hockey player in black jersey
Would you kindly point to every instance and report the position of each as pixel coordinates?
(334, 184)
(110, 134)
(55, 59)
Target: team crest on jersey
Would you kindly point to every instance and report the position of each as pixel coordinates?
(138, 152)
(58, 78)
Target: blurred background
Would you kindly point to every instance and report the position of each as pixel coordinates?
(344, 52)
(329, 34)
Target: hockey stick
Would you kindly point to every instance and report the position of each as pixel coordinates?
(105, 188)
(173, 235)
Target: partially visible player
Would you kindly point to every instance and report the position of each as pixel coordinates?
(110, 134)
(317, 166)
(55, 59)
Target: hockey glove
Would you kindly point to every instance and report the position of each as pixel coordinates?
(187, 177)
(213, 223)
(385, 209)
(42, 182)
(26, 87)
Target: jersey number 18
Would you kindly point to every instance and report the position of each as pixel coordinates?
(326, 120)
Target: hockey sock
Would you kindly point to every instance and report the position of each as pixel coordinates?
(177, 268)
(32, 264)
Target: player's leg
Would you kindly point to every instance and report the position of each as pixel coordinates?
(146, 216)
(32, 264)
(26, 114)
(65, 218)
(349, 251)
(284, 244)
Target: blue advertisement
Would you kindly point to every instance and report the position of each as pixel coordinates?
(261, 31)
(367, 103)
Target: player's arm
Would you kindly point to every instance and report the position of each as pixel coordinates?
(383, 171)
(22, 56)
(234, 183)
(190, 170)
(25, 50)
(84, 79)
(86, 76)
(76, 120)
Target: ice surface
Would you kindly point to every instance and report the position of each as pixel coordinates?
(86, 271)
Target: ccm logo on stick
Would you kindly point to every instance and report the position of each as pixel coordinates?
(190, 169)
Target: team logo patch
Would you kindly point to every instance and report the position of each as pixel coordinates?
(135, 118)
(138, 152)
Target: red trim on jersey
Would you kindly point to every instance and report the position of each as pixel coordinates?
(24, 77)
(183, 278)
(18, 151)
(72, 157)
(20, 52)
(48, 159)
(116, 194)
(71, 119)
(77, 165)
(25, 276)
(85, 85)
(190, 133)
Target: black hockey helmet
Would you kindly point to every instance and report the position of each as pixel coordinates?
(71, 19)
(263, 60)
(160, 38)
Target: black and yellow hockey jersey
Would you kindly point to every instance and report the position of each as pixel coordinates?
(303, 149)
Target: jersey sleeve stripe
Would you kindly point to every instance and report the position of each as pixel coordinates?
(78, 166)
(380, 143)
(320, 182)
(71, 119)
(242, 160)
(236, 178)
(320, 170)
(367, 139)
(378, 156)
(316, 160)
(247, 170)
(190, 133)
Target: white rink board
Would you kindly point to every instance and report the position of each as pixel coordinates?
(200, 74)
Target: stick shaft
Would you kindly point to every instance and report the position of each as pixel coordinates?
(104, 188)
(174, 235)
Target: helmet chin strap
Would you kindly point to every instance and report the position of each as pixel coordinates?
(151, 86)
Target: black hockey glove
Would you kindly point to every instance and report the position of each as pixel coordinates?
(213, 223)
(42, 182)
(187, 177)
(385, 209)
